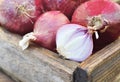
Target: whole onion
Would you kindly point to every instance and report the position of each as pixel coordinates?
(65, 6)
(18, 16)
(45, 29)
(102, 15)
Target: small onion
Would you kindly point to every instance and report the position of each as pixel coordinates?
(74, 42)
(45, 29)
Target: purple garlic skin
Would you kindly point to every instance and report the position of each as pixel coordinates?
(74, 42)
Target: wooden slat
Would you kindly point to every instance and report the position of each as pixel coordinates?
(5, 78)
(104, 65)
(117, 78)
(35, 64)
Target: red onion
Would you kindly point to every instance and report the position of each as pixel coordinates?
(74, 42)
(18, 16)
(102, 15)
(45, 30)
(65, 6)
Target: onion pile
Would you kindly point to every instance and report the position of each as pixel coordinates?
(18, 16)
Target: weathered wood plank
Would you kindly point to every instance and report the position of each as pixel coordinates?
(35, 64)
(117, 78)
(5, 78)
(104, 65)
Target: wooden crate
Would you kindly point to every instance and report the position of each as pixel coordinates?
(37, 64)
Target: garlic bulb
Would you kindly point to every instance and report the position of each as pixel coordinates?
(74, 42)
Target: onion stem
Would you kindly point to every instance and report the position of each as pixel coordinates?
(24, 43)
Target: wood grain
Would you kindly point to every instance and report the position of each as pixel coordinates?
(104, 65)
(5, 78)
(117, 78)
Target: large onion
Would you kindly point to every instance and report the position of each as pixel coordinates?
(19, 15)
(65, 6)
(103, 15)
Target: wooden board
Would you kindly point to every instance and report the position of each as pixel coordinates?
(5, 78)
